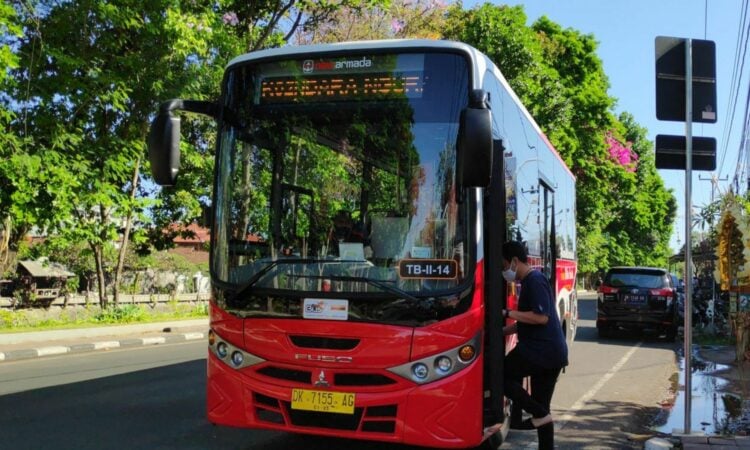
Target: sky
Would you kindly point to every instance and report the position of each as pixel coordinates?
(626, 30)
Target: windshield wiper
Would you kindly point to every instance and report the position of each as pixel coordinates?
(267, 268)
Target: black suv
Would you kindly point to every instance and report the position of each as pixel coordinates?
(637, 298)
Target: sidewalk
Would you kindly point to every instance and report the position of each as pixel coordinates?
(37, 344)
(699, 443)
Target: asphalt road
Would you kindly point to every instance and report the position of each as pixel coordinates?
(153, 398)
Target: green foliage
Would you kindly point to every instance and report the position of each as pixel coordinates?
(25, 319)
(121, 314)
(624, 216)
(82, 78)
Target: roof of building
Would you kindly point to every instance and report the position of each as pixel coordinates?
(45, 269)
(199, 234)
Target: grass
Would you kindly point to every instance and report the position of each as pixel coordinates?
(22, 320)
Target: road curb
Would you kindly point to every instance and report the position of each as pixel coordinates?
(55, 350)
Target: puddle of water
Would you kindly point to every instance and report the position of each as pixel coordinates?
(713, 411)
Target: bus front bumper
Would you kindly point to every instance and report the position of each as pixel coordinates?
(443, 414)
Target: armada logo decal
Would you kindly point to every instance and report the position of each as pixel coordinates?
(310, 66)
(354, 64)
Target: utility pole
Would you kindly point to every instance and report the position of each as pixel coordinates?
(677, 101)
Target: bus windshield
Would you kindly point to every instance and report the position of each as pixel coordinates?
(337, 174)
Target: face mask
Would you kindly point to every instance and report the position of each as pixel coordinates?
(510, 274)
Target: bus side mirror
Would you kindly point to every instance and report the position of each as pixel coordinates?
(164, 147)
(164, 137)
(474, 150)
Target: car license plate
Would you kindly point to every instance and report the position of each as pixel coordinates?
(635, 299)
(323, 401)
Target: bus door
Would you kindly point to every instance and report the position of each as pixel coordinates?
(549, 259)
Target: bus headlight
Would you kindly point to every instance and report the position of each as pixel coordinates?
(234, 357)
(443, 364)
(222, 350)
(237, 358)
(420, 371)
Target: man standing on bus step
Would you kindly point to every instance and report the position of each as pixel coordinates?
(541, 352)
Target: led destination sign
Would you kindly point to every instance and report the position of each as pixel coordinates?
(342, 79)
(332, 88)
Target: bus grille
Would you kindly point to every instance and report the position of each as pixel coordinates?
(372, 419)
(362, 379)
(339, 379)
(300, 376)
(324, 342)
(333, 421)
(267, 409)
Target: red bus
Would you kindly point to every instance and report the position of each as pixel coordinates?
(362, 195)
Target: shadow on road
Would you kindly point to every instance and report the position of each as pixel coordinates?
(610, 425)
(161, 408)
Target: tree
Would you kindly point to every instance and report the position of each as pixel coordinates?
(88, 77)
(397, 19)
(9, 29)
(88, 97)
(624, 212)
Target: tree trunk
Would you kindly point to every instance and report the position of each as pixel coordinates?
(126, 234)
(99, 259)
(5, 231)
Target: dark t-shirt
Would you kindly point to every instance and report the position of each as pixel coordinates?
(543, 345)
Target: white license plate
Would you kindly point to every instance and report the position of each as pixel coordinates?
(635, 298)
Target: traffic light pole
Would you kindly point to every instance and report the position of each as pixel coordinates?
(688, 225)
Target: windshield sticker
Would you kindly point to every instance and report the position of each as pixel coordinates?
(428, 268)
(325, 309)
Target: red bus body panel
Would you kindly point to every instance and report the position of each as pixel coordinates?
(443, 414)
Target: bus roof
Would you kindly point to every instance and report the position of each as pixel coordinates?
(396, 44)
(480, 60)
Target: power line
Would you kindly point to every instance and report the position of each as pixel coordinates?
(735, 84)
(740, 168)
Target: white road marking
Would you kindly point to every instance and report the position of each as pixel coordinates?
(581, 402)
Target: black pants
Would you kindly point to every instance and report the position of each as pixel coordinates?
(537, 404)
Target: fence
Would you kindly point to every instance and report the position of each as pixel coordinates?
(125, 299)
